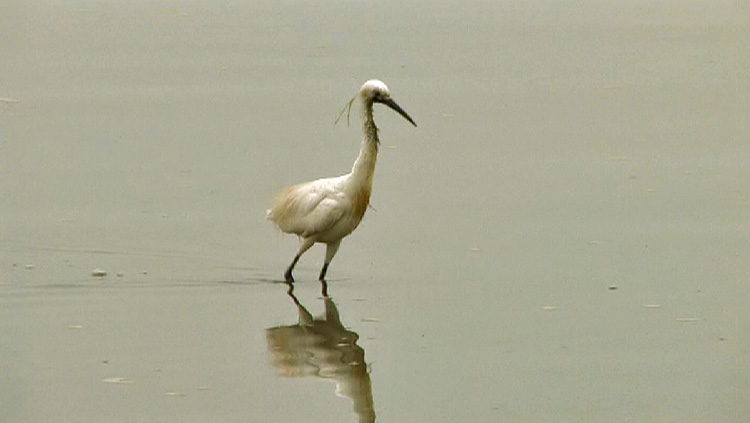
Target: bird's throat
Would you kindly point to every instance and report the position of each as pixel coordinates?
(364, 166)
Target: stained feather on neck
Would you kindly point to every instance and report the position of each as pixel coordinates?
(368, 124)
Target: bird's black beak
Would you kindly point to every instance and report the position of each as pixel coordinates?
(393, 105)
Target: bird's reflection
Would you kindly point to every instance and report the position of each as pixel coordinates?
(322, 347)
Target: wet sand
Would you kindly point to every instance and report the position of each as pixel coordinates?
(564, 238)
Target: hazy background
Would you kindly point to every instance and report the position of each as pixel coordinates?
(564, 237)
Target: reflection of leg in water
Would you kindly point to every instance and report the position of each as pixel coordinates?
(290, 293)
(323, 347)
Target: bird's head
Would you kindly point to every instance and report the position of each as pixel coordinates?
(377, 92)
(374, 91)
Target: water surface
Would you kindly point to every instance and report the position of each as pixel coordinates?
(563, 238)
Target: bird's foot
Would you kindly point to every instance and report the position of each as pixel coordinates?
(324, 288)
(288, 277)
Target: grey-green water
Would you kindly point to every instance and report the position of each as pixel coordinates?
(564, 238)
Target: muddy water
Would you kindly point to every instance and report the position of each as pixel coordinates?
(563, 238)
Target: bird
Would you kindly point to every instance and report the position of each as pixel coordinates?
(328, 209)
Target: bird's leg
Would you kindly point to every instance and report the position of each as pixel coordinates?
(331, 250)
(288, 274)
(305, 244)
(323, 271)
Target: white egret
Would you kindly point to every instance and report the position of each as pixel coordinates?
(327, 210)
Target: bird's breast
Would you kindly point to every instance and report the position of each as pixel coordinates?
(358, 200)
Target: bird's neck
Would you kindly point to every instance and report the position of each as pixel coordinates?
(364, 166)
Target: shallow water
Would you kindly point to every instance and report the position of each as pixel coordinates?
(563, 238)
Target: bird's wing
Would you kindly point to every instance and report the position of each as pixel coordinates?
(309, 208)
(328, 211)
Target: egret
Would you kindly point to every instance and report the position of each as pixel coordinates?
(326, 210)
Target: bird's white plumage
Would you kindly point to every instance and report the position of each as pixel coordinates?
(315, 210)
(326, 210)
(373, 87)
